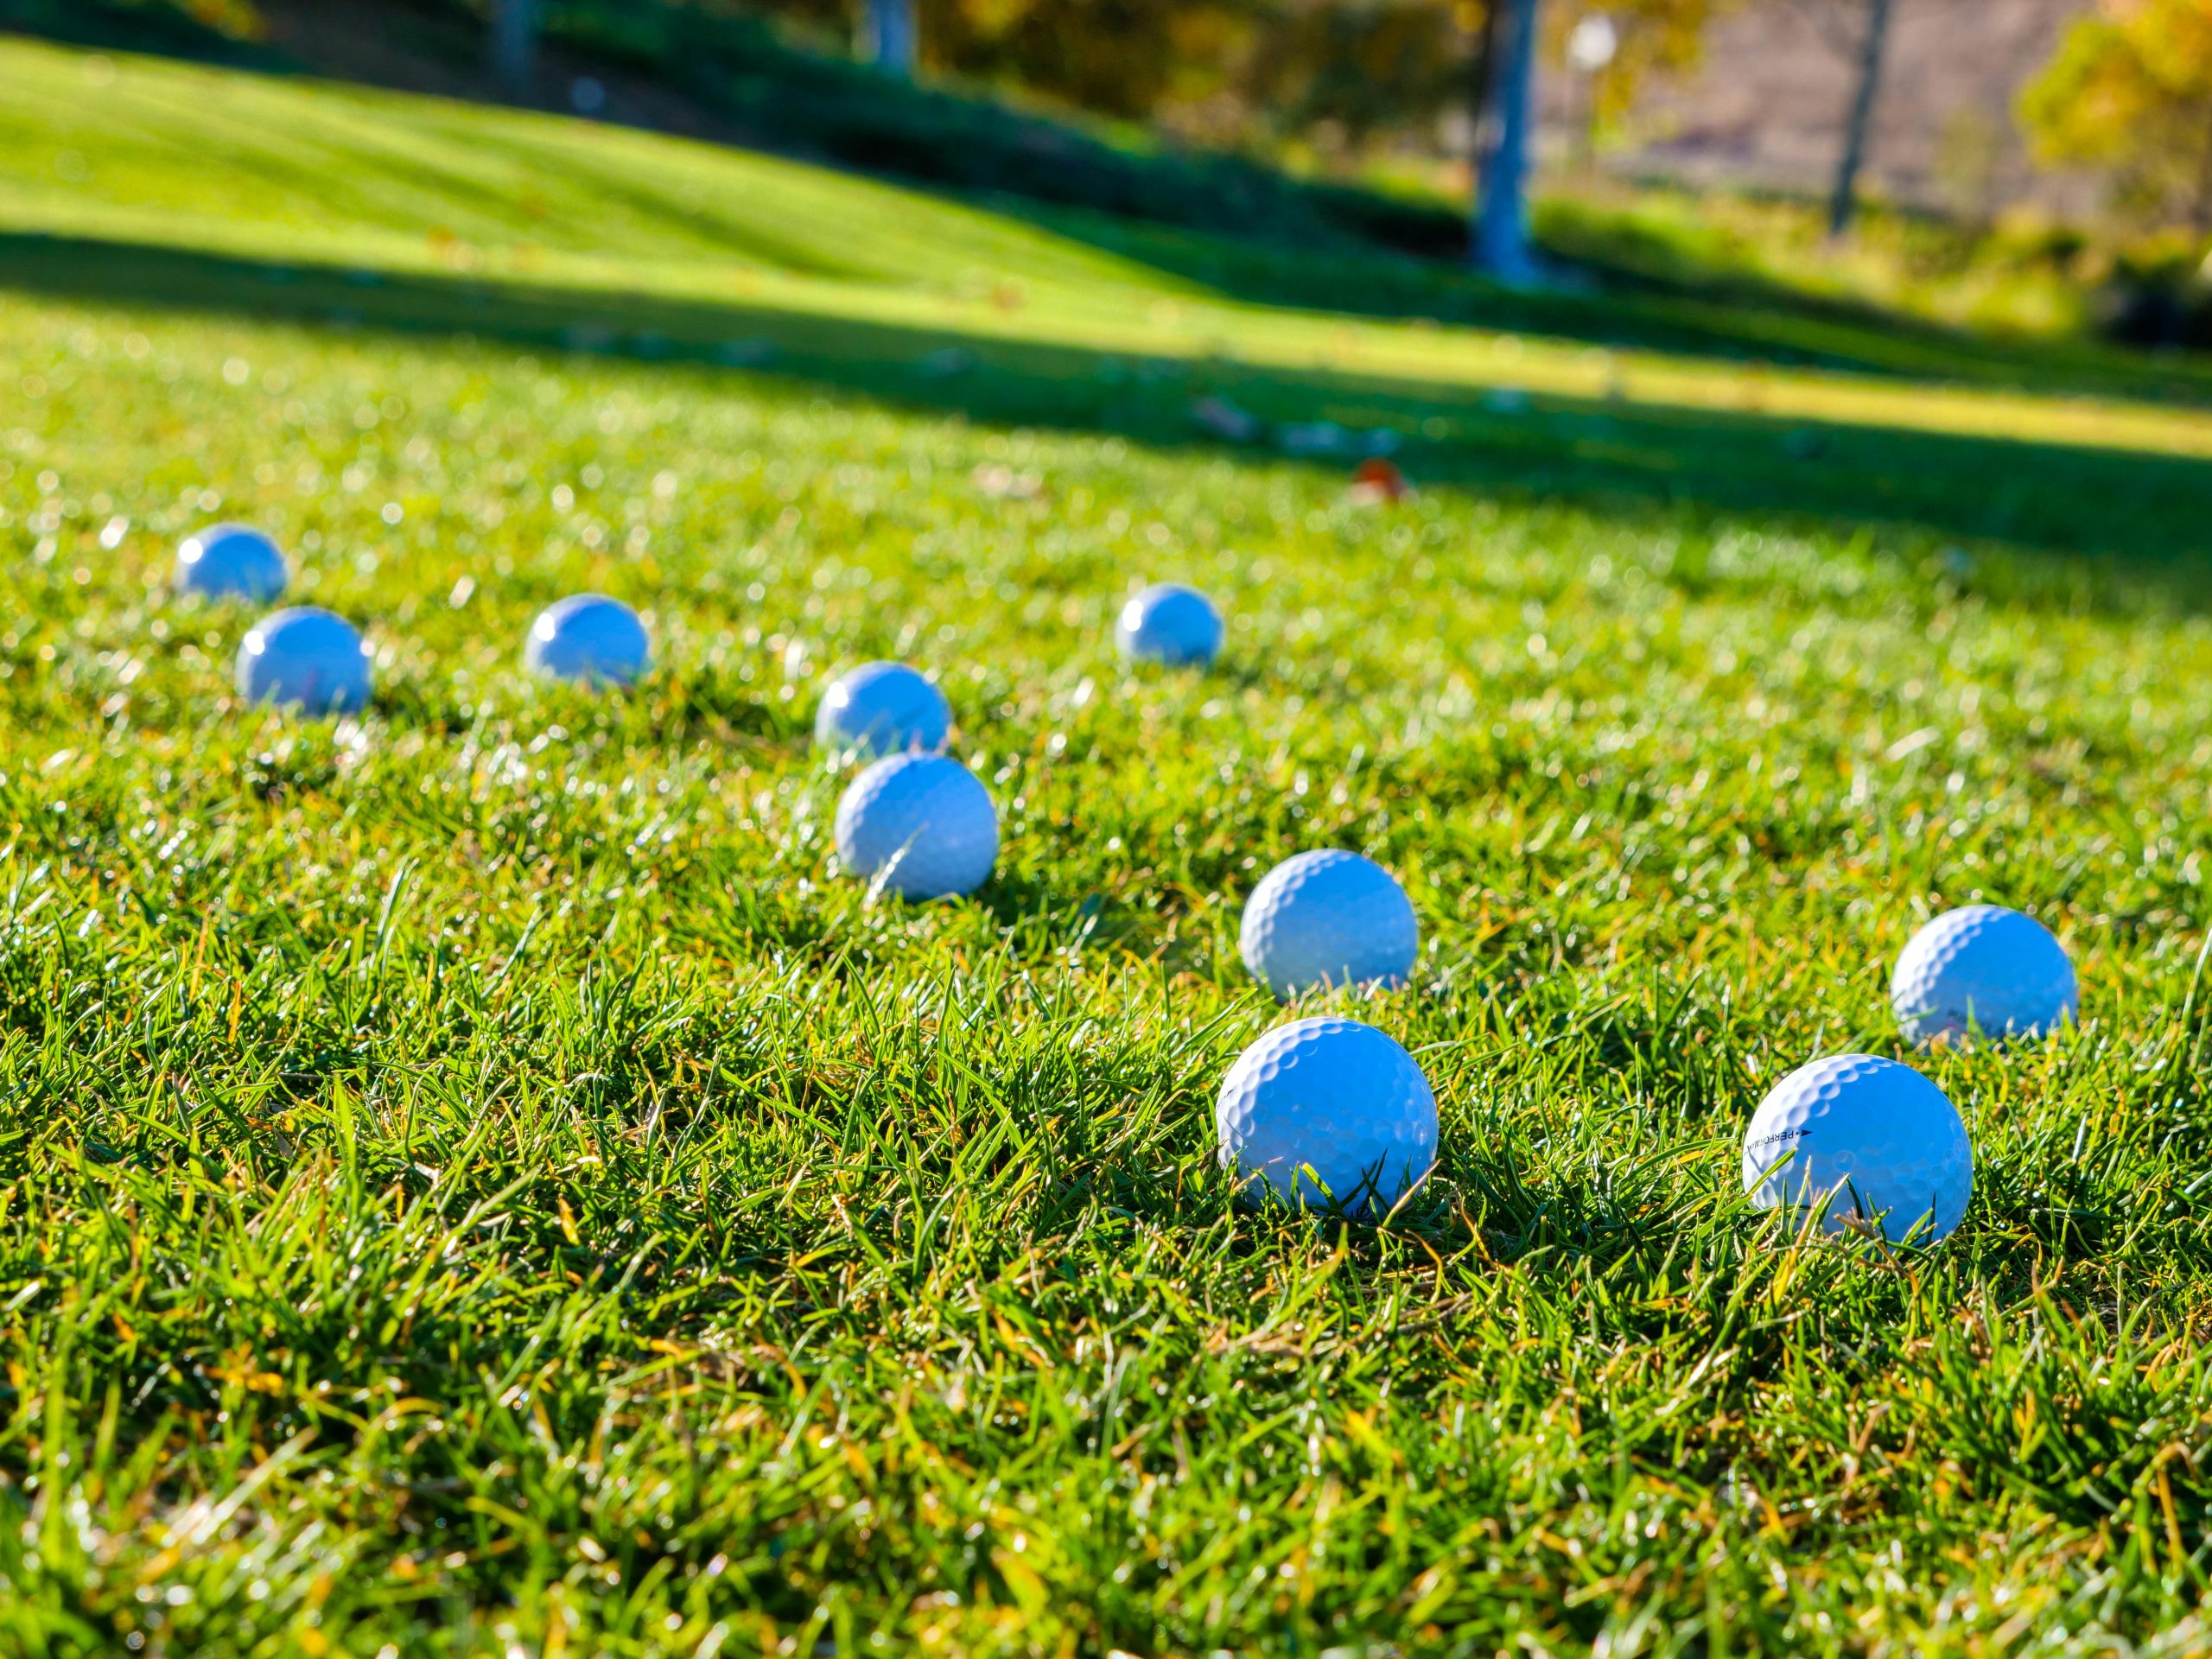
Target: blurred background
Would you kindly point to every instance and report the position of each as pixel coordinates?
(2037, 166)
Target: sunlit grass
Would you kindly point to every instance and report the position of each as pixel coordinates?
(477, 1178)
(141, 151)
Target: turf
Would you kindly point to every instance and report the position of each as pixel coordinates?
(476, 1179)
(138, 158)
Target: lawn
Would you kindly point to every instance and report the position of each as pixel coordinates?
(476, 1179)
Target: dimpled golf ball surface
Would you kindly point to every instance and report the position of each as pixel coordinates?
(305, 659)
(920, 825)
(1169, 624)
(883, 708)
(1885, 1141)
(1983, 968)
(231, 562)
(1332, 1101)
(588, 639)
(1330, 919)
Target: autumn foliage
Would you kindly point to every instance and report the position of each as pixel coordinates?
(2130, 90)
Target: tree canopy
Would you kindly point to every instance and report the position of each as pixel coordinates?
(2130, 89)
(1354, 70)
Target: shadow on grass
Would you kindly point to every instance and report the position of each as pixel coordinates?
(2144, 510)
(1236, 226)
(1608, 299)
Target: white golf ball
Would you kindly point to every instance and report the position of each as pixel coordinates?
(307, 658)
(231, 562)
(1330, 919)
(881, 709)
(1328, 1111)
(920, 824)
(589, 639)
(1171, 624)
(1983, 969)
(1879, 1142)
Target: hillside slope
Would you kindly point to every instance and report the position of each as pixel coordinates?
(135, 152)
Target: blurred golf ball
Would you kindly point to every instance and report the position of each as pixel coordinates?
(589, 639)
(921, 825)
(1328, 918)
(1328, 1111)
(1169, 623)
(306, 659)
(231, 562)
(1881, 1143)
(881, 709)
(1983, 969)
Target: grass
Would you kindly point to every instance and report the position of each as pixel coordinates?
(475, 1179)
(2030, 279)
(802, 94)
(145, 154)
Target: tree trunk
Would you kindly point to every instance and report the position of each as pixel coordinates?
(1480, 74)
(888, 37)
(514, 42)
(1500, 230)
(1845, 199)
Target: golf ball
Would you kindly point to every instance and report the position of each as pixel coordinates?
(231, 562)
(1328, 918)
(920, 825)
(1169, 623)
(306, 659)
(1328, 1111)
(1983, 969)
(1879, 1142)
(881, 709)
(590, 638)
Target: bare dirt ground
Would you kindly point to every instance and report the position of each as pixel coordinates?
(1768, 104)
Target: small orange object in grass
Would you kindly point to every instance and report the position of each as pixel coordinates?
(1378, 479)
